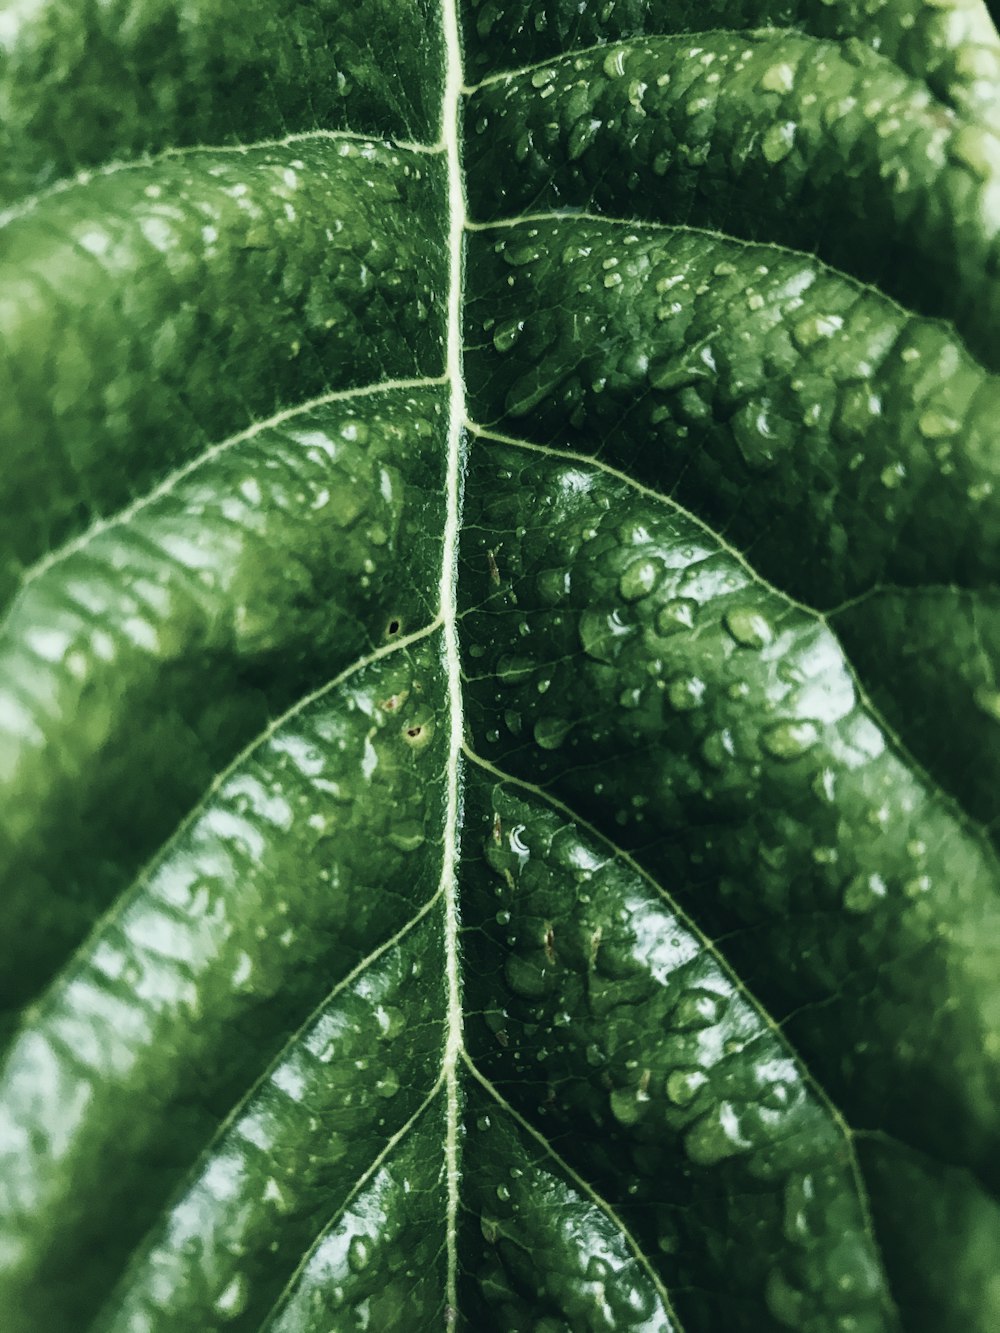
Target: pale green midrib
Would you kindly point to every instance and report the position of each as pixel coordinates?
(453, 1047)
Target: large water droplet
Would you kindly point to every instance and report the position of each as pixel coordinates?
(698, 1008)
(232, 1300)
(715, 1136)
(778, 141)
(359, 1253)
(685, 693)
(790, 740)
(640, 579)
(676, 615)
(550, 732)
(683, 1085)
(748, 627)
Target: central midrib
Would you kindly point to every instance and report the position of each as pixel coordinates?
(453, 1047)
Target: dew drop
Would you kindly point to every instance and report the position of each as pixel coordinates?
(388, 1085)
(777, 142)
(640, 579)
(935, 425)
(814, 329)
(778, 79)
(676, 615)
(864, 892)
(626, 1106)
(685, 693)
(698, 1008)
(507, 335)
(541, 77)
(683, 1085)
(550, 732)
(232, 1300)
(359, 1253)
(715, 1136)
(790, 740)
(748, 627)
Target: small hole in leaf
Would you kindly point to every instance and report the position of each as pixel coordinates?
(392, 628)
(414, 733)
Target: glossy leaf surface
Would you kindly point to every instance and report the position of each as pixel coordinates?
(498, 667)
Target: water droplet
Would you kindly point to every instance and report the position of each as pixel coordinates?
(553, 585)
(676, 615)
(614, 63)
(359, 1253)
(407, 836)
(864, 892)
(517, 256)
(627, 1106)
(507, 335)
(698, 1008)
(935, 425)
(390, 1020)
(550, 732)
(892, 477)
(598, 632)
(790, 740)
(777, 142)
(388, 1085)
(685, 693)
(715, 1136)
(640, 579)
(778, 79)
(683, 1085)
(541, 77)
(814, 329)
(748, 627)
(232, 1300)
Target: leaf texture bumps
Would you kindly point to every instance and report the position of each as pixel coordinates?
(497, 672)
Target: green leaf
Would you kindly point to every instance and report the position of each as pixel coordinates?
(499, 666)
